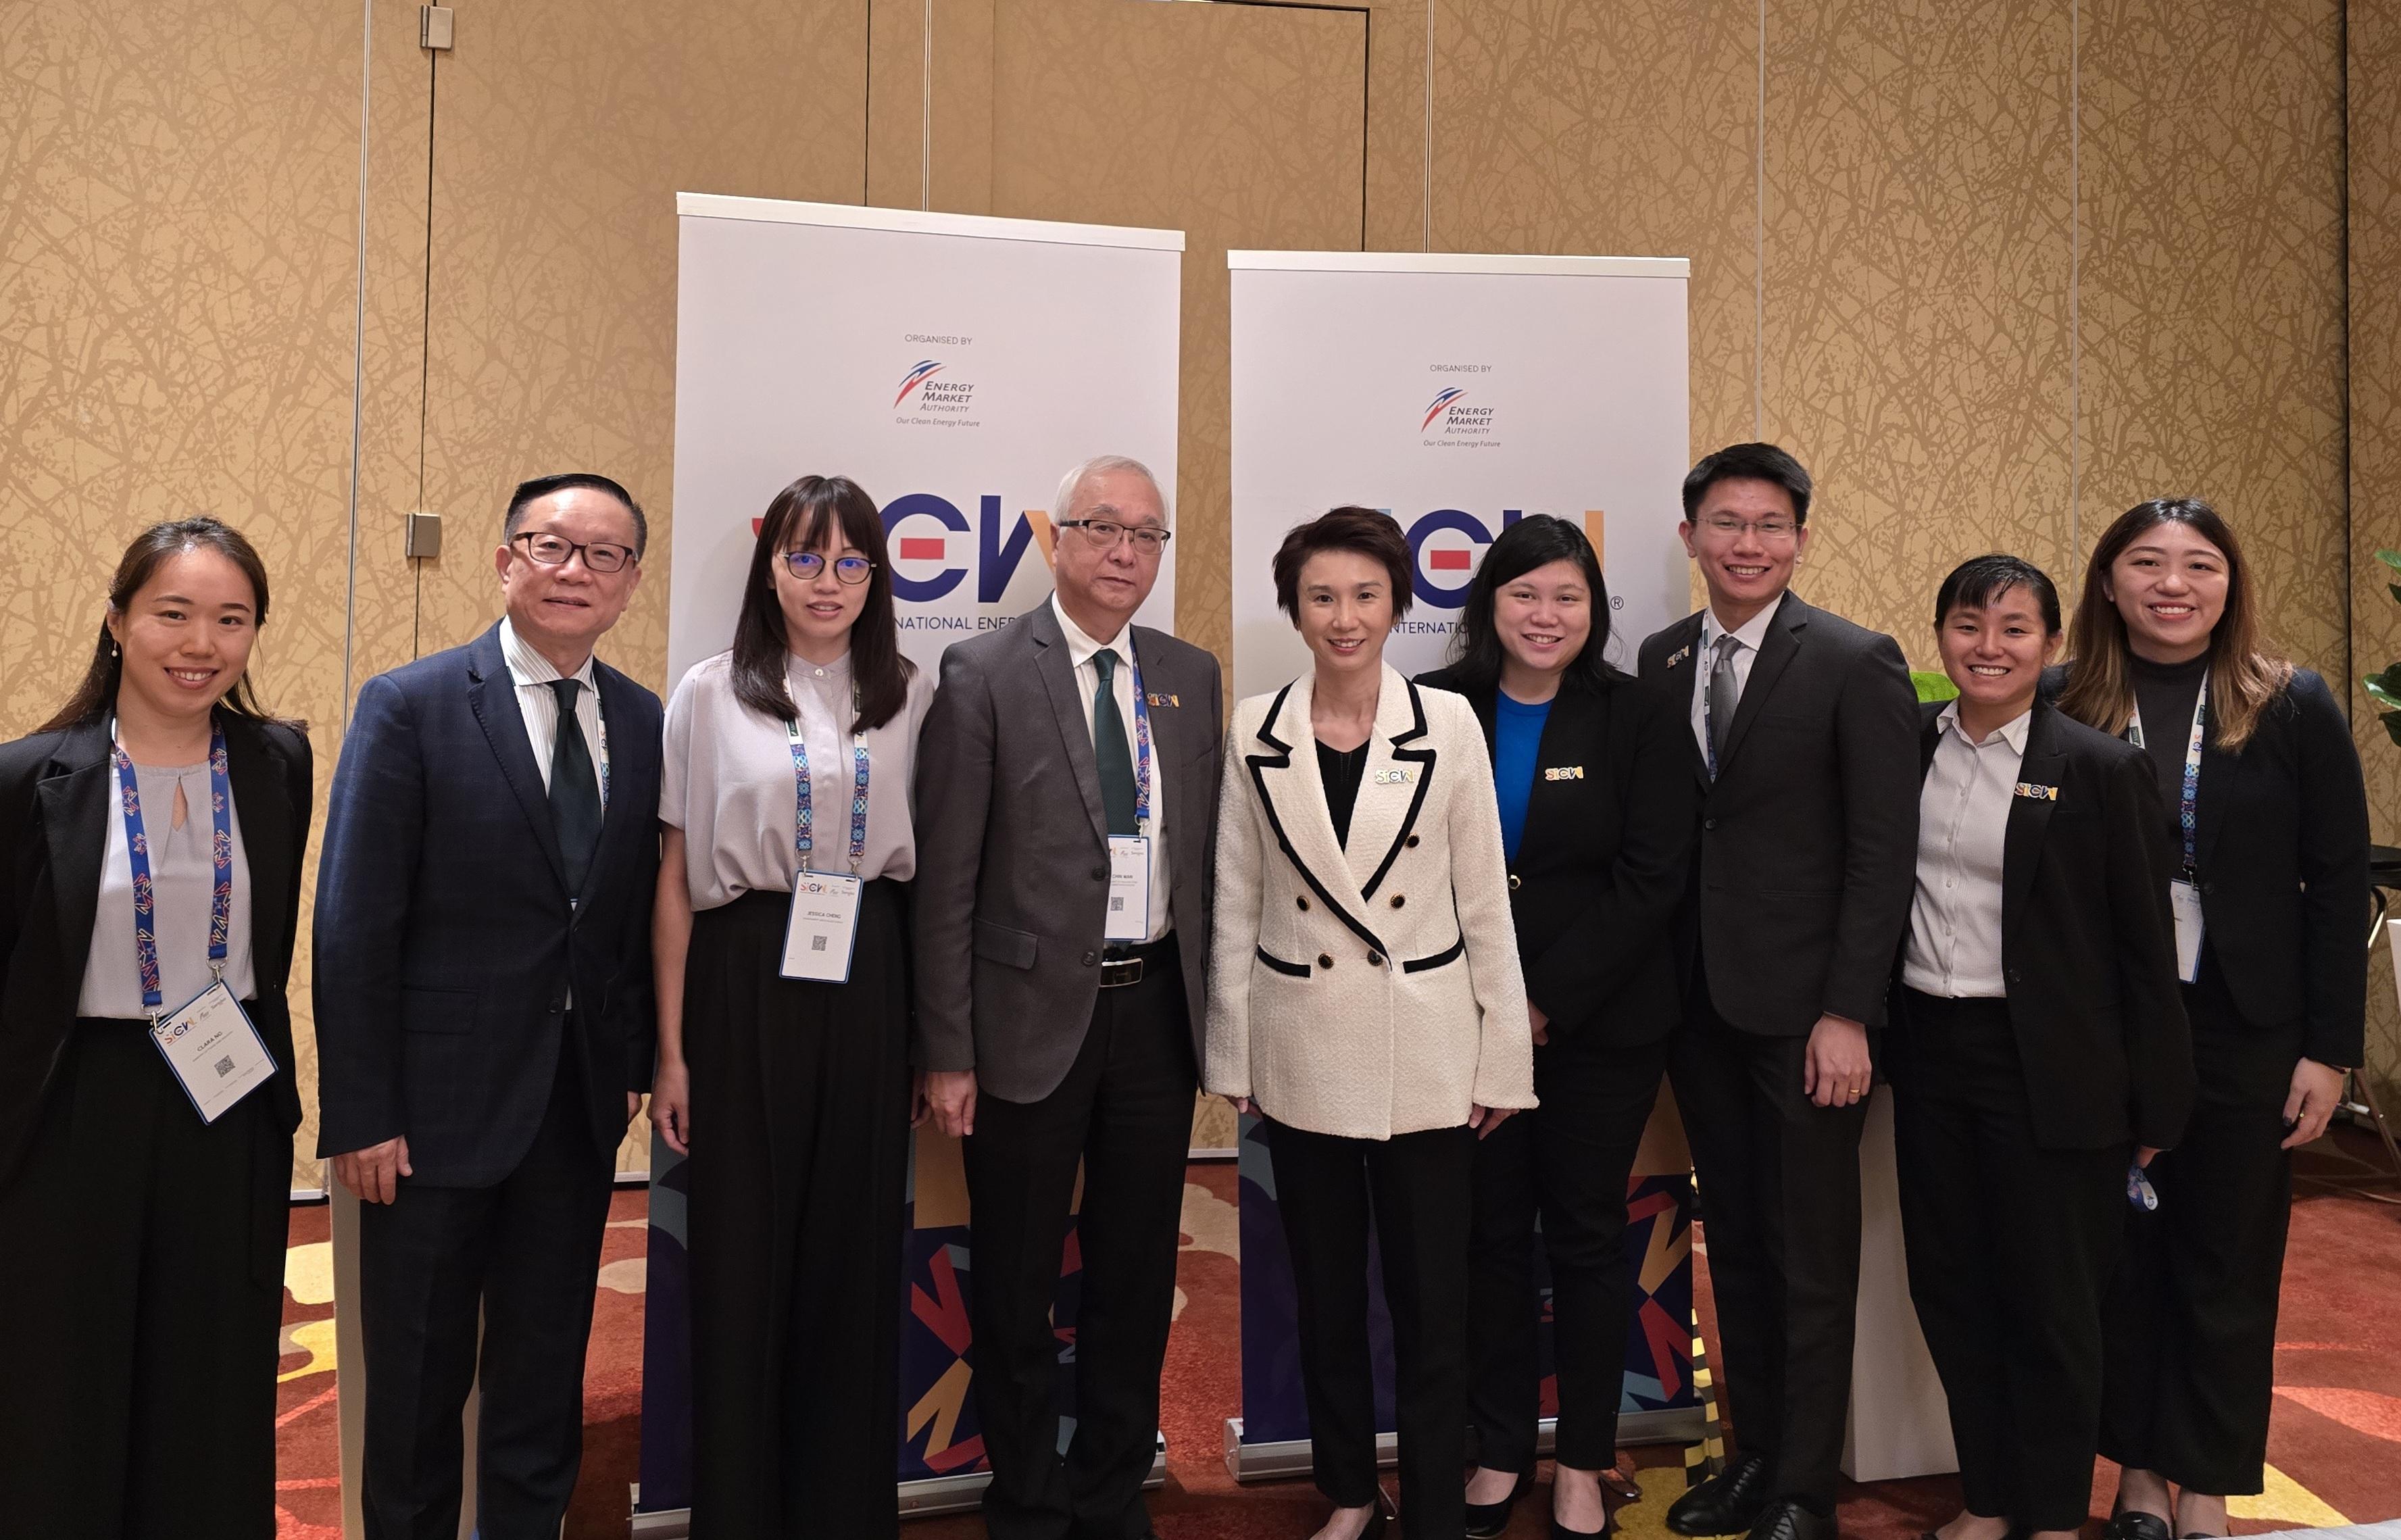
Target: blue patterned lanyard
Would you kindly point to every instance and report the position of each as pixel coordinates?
(137, 853)
(2188, 799)
(804, 812)
(1141, 746)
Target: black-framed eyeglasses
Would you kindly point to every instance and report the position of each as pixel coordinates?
(600, 556)
(806, 565)
(1107, 534)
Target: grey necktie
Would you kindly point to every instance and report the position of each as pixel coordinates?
(1725, 694)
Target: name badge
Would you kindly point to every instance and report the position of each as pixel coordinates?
(2183, 899)
(214, 1051)
(1129, 916)
(823, 930)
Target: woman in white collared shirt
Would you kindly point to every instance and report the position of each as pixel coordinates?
(784, 1076)
(1365, 997)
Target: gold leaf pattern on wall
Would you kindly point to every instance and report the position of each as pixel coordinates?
(1917, 256)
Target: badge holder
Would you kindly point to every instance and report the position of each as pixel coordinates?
(1129, 912)
(822, 933)
(217, 1056)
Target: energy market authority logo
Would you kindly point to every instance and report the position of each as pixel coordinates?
(1451, 419)
(930, 397)
(926, 369)
(1440, 405)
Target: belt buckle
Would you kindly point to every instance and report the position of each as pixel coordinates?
(1118, 973)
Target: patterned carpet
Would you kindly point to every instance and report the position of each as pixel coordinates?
(2334, 1446)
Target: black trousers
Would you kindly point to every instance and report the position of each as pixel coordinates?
(141, 1304)
(1779, 1190)
(1125, 1113)
(2191, 1319)
(1418, 1188)
(800, 1096)
(524, 1255)
(1570, 1158)
(2010, 1249)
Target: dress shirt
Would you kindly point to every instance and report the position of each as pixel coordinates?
(183, 881)
(1752, 633)
(1080, 651)
(1963, 818)
(532, 674)
(726, 780)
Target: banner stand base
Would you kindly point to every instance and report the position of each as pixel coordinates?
(924, 1498)
(1290, 1457)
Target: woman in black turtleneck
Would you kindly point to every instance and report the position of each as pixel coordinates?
(2268, 821)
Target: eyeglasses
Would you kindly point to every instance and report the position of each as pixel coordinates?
(1766, 528)
(806, 565)
(600, 556)
(1106, 534)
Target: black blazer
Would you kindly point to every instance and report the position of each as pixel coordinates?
(1605, 860)
(2087, 946)
(1808, 844)
(58, 791)
(2280, 846)
(446, 941)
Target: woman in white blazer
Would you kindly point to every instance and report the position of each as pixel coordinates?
(1364, 999)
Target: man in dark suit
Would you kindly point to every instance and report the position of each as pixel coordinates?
(483, 1019)
(1052, 743)
(1804, 737)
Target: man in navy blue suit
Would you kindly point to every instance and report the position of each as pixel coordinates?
(484, 1015)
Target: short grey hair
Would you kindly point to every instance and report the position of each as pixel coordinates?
(1101, 465)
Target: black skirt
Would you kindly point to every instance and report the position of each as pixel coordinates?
(800, 1146)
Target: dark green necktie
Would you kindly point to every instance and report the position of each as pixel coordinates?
(1109, 747)
(575, 790)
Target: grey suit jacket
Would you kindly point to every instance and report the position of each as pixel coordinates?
(1012, 852)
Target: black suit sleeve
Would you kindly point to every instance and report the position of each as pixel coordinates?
(2150, 1002)
(18, 838)
(1622, 928)
(634, 997)
(1876, 740)
(2333, 798)
(300, 784)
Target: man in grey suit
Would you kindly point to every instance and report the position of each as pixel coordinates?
(1067, 834)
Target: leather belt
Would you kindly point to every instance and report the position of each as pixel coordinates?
(1121, 964)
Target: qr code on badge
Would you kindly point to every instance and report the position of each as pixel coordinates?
(1116, 905)
(817, 943)
(224, 1067)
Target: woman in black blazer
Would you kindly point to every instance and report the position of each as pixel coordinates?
(2267, 824)
(1598, 809)
(146, 1298)
(2037, 1051)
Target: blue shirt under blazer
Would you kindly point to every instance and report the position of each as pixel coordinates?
(446, 941)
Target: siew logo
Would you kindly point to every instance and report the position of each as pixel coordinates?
(934, 546)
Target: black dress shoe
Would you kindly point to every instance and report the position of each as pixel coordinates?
(1561, 1532)
(1786, 1520)
(1729, 1502)
(1490, 1520)
(2132, 1524)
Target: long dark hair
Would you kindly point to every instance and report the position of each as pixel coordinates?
(97, 694)
(800, 518)
(1535, 540)
(2245, 675)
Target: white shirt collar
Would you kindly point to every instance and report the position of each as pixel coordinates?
(1081, 647)
(1752, 633)
(527, 666)
(2013, 733)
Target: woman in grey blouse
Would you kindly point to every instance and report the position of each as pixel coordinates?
(149, 1205)
(783, 1018)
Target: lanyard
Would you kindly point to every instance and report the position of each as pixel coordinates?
(2188, 797)
(137, 853)
(1141, 747)
(1707, 646)
(804, 811)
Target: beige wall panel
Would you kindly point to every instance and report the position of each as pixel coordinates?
(1916, 338)
(2373, 29)
(957, 134)
(178, 216)
(1622, 131)
(2212, 285)
(562, 135)
(1399, 211)
(1239, 125)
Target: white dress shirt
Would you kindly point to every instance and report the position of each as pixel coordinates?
(1963, 818)
(532, 674)
(1080, 650)
(1753, 632)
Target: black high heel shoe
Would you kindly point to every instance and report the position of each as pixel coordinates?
(1490, 1520)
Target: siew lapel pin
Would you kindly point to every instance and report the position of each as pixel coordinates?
(2038, 793)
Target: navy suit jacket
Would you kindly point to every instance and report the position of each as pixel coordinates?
(446, 941)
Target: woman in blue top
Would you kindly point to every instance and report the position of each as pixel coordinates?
(1597, 812)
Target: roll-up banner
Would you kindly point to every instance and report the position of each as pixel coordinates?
(954, 366)
(1461, 394)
